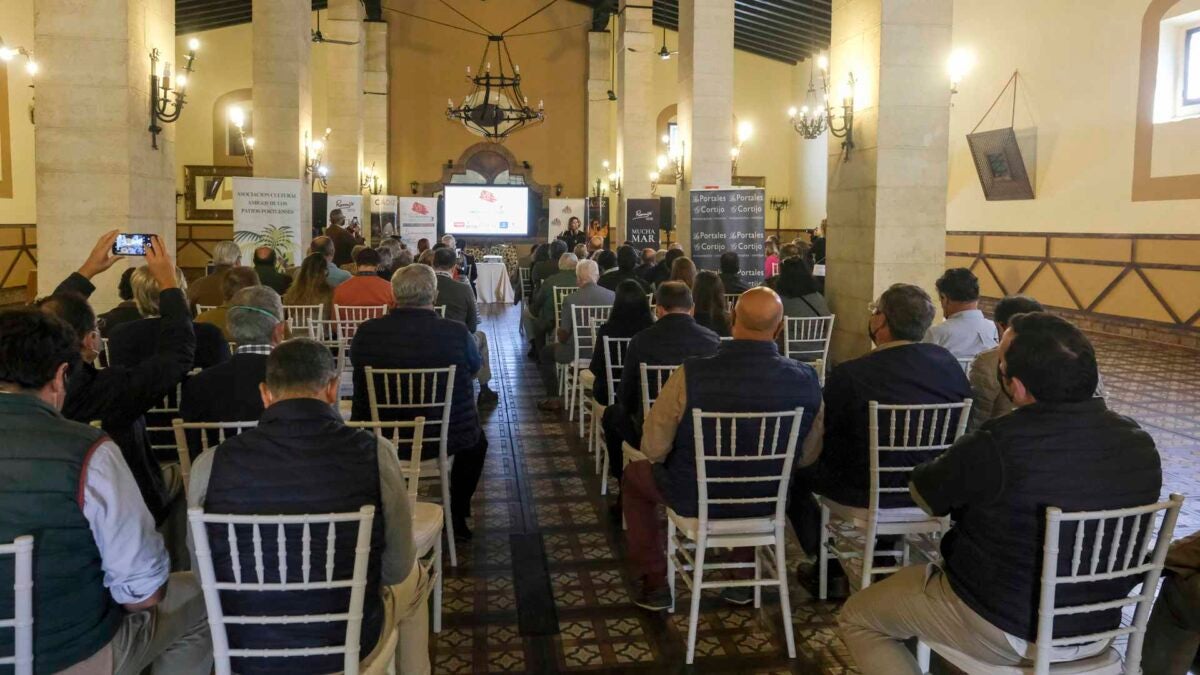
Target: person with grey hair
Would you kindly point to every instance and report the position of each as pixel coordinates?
(562, 350)
(539, 322)
(207, 289)
(459, 300)
(413, 336)
(901, 370)
(303, 458)
(229, 392)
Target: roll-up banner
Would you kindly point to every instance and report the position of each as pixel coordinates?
(561, 211)
(642, 222)
(418, 220)
(729, 220)
(351, 208)
(385, 217)
(266, 212)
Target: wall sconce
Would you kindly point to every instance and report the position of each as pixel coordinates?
(812, 122)
(745, 131)
(614, 182)
(599, 189)
(322, 175)
(162, 107)
(960, 63)
(314, 151)
(370, 182)
(31, 66)
(558, 189)
(414, 187)
(237, 117)
(779, 204)
(654, 176)
(673, 158)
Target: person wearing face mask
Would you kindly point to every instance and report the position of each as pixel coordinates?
(900, 370)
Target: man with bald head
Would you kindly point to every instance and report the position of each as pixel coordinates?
(747, 374)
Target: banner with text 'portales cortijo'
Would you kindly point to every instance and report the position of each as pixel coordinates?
(729, 220)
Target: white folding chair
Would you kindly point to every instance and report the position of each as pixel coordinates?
(426, 517)
(299, 317)
(441, 310)
(807, 339)
(614, 365)
(21, 549)
(261, 579)
(394, 392)
(200, 309)
(652, 379)
(764, 461)
(222, 430)
(162, 435)
(1099, 550)
(102, 358)
(584, 320)
(358, 313)
(775, 269)
(965, 364)
(731, 300)
(523, 273)
(560, 294)
(896, 432)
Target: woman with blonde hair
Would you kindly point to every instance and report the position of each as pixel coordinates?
(683, 269)
(311, 286)
(130, 342)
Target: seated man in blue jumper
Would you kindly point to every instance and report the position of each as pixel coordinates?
(747, 374)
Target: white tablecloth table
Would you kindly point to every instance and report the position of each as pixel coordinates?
(492, 284)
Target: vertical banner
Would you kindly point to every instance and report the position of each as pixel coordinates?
(729, 220)
(351, 208)
(418, 220)
(266, 212)
(642, 222)
(599, 218)
(385, 217)
(561, 211)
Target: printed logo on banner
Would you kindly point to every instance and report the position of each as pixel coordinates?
(642, 222)
(487, 196)
(418, 207)
(729, 220)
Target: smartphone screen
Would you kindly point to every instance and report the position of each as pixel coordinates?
(131, 244)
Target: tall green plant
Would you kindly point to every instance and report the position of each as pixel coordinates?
(276, 238)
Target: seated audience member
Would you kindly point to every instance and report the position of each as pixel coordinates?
(661, 273)
(129, 343)
(459, 300)
(343, 238)
(594, 245)
(818, 243)
(266, 266)
(966, 331)
(988, 397)
(900, 371)
(207, 289)
(581, 251)
(731, 273)
(683, 270)
(675, 336)
(646, 264)
(414, 336)
(626, 268)
(422, 245)
(324, 246)
(771, 259)
(365, 288)
(120, 395)
(1061, 447)
(229, 392)
(352, 267)
(541, 318)
(124, 312)
(561, 350)
(403, 259)
(465, 271)
(606, 260)
(545, 263)
(426, 258)
(388, 249)
(301, 458)
(1173, 634)
(310, 286)
(630, 315)
(105, 600)
(745, 375)
(798, 290)
(526, 260)
(235, 280)
(711, 310)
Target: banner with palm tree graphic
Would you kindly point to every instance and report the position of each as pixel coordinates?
(266, 213)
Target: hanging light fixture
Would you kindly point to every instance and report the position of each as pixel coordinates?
(495, 106)
(817, 116)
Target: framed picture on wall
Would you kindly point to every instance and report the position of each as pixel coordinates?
(208, 191)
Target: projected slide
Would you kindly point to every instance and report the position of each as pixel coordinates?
(487, 211)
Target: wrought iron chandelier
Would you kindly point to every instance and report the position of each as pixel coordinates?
(495, 107)
(817, 115)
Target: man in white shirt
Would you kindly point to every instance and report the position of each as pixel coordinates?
(105, 600)
(966, 331)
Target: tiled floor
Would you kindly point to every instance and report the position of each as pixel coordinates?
(542, 587)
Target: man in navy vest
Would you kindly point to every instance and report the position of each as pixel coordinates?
(746, 375)
(303, 459)
(1061, 447)
(103, 598)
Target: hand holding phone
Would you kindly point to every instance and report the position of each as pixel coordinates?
(102, 257)
(131, 244)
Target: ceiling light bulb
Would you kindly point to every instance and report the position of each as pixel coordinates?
(193, 44)
(792, 111)
(823, 62)
(653, 176)
(7, 54)
(31, 67)
(733, 152)
(744, 131)
(323, 170)
(250, 142)
(318, 146)
(662, 162)
(604, 164)
(959, 64)
(180, 81)
(237, 116)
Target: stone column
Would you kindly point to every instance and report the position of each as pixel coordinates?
(375, 104)
(705, 114)
(95, 167)
(635, 118)
(887, 201)
(344, 87)
(600, 110)
(283, 96)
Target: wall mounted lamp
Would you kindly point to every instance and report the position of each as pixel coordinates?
(314, 152)
(370, 181)
(237, 117)
(745, 131)
(654, 176)
(817, 115)
(166, 104)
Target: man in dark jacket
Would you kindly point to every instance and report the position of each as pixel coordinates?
(1061, 447)
(343, 239)
(745, 375)
(901, 370)
(675, 336)
(119, 396)
(229, 392)
(626, 269)
(662, 271)
(414, 336)
(730, 266)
